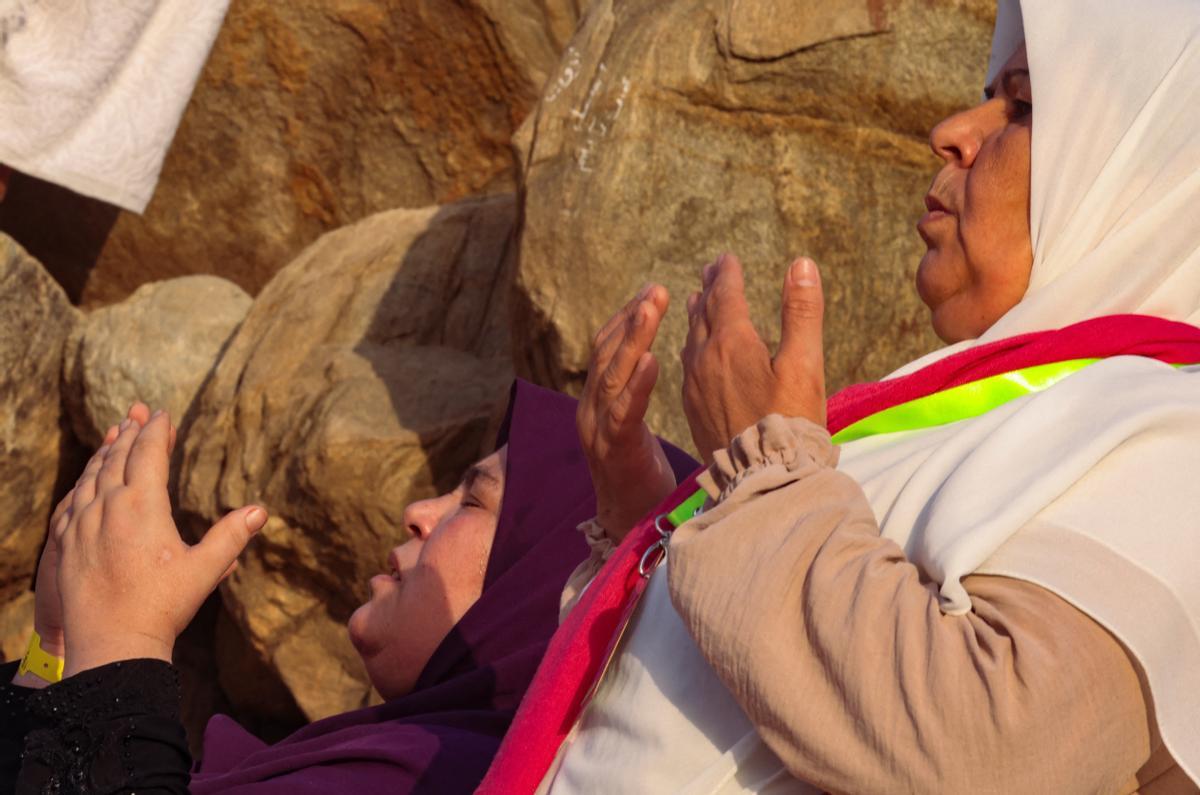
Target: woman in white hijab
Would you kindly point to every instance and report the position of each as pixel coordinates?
(983, 594)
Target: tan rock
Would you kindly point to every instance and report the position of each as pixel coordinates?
(309, 116)
(35, 320)
(157, 346)
(364, 377)
(16, 625)
(676, 131)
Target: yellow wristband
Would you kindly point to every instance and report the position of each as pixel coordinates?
(41, 663)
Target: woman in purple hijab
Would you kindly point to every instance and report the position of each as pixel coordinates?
(115, 726)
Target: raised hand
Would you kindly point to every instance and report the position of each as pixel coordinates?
(630, 472)
(47, 613)
(129, 583)
(730, 378)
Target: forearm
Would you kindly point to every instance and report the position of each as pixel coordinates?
(14, 724)
(840, 655)
(116, 727)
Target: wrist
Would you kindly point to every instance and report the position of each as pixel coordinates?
(88, 653)
(41, 666)
(615, 526)
(52, 640)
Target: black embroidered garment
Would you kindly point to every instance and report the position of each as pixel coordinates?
(111, 729)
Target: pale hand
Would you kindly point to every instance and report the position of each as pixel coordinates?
(47, 603)
(129, 583)
(630, 471)
(730, 378)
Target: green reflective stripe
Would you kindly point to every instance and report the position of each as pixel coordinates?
(941, 408)
(961, 402)
(688, 508)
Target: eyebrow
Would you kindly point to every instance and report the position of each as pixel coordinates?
(1003, 79)
(478, 474)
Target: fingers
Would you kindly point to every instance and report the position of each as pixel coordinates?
(85, 488)
(800, 345)
(725, 292)
(722, 301)
(618, 348)
(139, 412)
(618, 328)
(697, 322)
(148, 462)
(629, 409)
(112, 471)
(59, 519)
(638, 337)
(61, 509)
(620, 317)
(219, 549)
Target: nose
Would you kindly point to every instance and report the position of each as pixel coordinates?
(958, 138)
(420, 518)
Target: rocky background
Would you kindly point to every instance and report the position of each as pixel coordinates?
(376, 212)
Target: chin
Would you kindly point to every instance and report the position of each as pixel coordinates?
(356, 628)
(938, 294)
(945, 331)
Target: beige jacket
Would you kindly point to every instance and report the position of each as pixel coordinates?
(836, 649)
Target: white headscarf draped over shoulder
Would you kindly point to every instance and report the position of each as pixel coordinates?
(1092, 487)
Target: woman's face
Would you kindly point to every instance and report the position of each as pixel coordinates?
(977, 228)
(434, 578)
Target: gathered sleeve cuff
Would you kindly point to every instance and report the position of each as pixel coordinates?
(774, 451)
(601, 547)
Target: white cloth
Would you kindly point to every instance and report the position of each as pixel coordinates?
(91, 92)
(1089, 488)
(687, 734)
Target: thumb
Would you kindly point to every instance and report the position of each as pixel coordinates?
(224, 541)
(800, 345)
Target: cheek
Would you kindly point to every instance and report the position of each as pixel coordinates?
(995, 221)
(457, 560)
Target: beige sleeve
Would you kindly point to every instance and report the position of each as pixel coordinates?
(601, 547)
(836, 648)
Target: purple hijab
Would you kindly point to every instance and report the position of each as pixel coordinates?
(441, 737)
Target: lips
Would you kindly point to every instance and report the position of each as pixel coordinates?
(382, 583)
(937, 211)
(934, 205)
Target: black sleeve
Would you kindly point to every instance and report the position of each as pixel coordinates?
(111, 729)
(14, 724)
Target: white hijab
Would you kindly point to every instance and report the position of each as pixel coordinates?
(1091, 488)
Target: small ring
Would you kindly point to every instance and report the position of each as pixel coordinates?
(645, 567)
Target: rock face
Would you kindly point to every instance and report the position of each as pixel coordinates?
(366, 375)
(16, 625)
(35, 320)
(675, 131)
(157, 346)
(309, 116)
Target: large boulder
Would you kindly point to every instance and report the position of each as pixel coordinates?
(158, 346)
(366, 374)
(676, 131)
(35, 442)
(309, 116)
